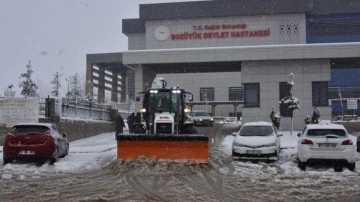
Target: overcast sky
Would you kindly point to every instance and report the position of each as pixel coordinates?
(56, 35)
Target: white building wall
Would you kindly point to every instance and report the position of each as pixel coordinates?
(283, 29)
(270, 73)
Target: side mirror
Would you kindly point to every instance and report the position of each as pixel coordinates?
(190, 97)
(234, 133)
(299, 134)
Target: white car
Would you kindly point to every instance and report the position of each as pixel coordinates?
(327, 141)
(201, 118)
(230, 120)
(257, 141)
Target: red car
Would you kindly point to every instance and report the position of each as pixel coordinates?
(35, 141)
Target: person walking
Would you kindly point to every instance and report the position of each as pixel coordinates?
(130, 121)
(119, 125)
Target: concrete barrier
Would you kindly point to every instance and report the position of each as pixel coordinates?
(74, 128)
(78, 129)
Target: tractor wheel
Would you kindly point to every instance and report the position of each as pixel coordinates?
(302, 165)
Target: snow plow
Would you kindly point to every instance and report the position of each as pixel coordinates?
(163, 131)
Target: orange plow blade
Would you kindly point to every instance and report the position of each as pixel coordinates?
(183, 147)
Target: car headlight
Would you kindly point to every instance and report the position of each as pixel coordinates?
(270, 145)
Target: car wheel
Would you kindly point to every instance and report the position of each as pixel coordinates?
(66, 152)
(351, 166)
(234, 154)
(338, 168)
(302, 165)
(188, 130)
(67, 149)
(7, 160)
(55, 158)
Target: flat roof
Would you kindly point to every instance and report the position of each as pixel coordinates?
(243, 53)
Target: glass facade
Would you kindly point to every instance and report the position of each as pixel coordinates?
(207, 94)
(251, 95)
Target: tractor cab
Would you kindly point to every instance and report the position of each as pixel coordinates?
(164, 109)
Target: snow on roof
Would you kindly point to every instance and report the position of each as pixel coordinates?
(325, 126)
(246, 47)
(157, 83)
(34, 124)
(258, 123)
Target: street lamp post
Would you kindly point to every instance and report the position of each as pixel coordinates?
(68, 88)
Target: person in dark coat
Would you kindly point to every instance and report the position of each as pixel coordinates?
(119, 125)
(130, 121)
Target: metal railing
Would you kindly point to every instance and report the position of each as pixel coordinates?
(74, 109)
(85, 109)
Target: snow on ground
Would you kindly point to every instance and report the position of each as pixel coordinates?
(84, 155)
(225, 180)
(99, 151)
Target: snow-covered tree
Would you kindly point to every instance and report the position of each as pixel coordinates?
(28, 85)
(90, 95)
(75, 92)
(290, 102)
(9, 91)
(56, 84)
(275, 118)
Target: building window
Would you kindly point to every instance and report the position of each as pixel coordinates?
(236, 93)
(207, 94)
(320, 95)
(251, 95)
(285, 89)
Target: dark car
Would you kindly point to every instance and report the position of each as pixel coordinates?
(35, 141)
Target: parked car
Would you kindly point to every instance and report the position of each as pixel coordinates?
(230, 120)
(35, 141)
(325, 142)
(201, 118)
(258, 141)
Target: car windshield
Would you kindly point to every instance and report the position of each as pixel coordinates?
(29, 129)
(201, 114)
(324, 132)
(256, 131)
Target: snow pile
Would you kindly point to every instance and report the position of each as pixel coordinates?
(284, 181)
(151, 167)
(84, 155)
(228, 128)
